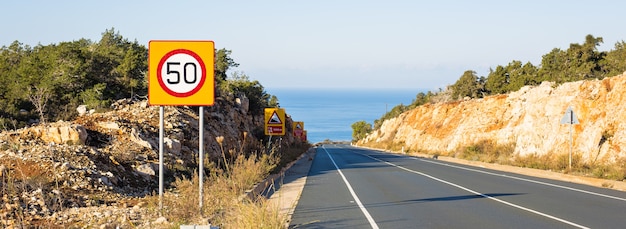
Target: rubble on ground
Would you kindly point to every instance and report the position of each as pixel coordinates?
(94, 170)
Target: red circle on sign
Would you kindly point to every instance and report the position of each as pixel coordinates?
(160, 75)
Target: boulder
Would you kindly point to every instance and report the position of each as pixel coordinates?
(60, 133)
(147, 169)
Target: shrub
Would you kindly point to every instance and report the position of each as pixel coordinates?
(487, 151)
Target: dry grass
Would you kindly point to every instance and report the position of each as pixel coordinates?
(487, 151)
(491, 152)
(254, 214)
(223, 204)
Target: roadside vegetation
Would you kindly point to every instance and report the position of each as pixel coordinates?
(225, 203)
(46, 83)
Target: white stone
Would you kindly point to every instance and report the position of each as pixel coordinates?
(82, 110)
(173, 146)
(160, 220)
(146, 169)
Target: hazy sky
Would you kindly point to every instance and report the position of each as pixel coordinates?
(330, 44)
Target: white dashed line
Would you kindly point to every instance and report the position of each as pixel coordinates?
(477, 193)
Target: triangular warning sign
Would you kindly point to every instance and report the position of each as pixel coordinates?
(274, 119)
(569, 117)
(298, 126)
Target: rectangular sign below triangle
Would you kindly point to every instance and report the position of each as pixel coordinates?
(274, 129)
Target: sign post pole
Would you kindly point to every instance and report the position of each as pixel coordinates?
(201, 157)
(181, 73)
(161, 114)
(571, 145)
(571, 119)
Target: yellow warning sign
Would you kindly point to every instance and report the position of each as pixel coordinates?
(298, 129)
(298, 125)
(274, 121)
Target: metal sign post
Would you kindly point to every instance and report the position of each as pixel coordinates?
(161, 111)
(201, 157)
(571, 119)
(181, 73)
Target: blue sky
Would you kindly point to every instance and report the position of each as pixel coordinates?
(335, 44)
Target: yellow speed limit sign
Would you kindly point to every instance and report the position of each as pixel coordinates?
(181, 73)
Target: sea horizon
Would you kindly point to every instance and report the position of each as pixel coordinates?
(328, 113)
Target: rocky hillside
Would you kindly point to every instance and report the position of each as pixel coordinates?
(527, 120)
(98, 166)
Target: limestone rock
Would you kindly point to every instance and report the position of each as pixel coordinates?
(243, 103)
(147, 169)
(109, 125)
(528, 118)
(60, 133)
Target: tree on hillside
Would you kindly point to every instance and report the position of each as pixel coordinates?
(578, 62)
(394, 112)
(421, 99)
(551, 68)
(360, 129)
(37, 79)
(240, 83)
(584, 60)
(273, 101)
(223, 62)
(120, 64)
(11, 91)
(511, 77)
(469, 85)
(615, 63)
(497, 80)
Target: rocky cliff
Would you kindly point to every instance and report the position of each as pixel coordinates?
(528, 120)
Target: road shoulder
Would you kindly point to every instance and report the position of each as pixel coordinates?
(287, 189)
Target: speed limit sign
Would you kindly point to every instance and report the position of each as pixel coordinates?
(181, 73)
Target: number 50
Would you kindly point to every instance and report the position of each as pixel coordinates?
(172, 69)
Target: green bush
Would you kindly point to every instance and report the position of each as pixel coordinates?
(360, 129)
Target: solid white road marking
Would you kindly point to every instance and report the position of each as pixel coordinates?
(356, 198)
(478, 193)
(527, 180)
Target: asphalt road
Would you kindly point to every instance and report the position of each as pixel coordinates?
(350, 187)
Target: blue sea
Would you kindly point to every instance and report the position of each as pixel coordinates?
(330, 113)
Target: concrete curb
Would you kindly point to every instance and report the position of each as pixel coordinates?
(273, 182)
